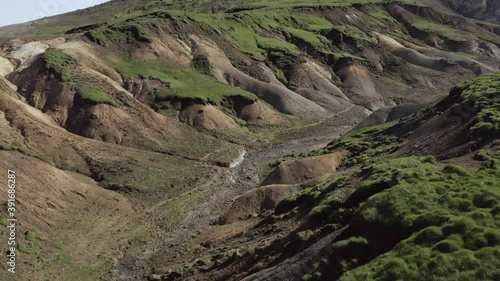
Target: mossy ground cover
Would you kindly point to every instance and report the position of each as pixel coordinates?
(439, 221)
(255, 32)
(490, 37)
(412, 218)
(448, 216)
(58, 62)
(93, 94)
(484, 94)
(184, 82)
(440, 29)
(119, 33)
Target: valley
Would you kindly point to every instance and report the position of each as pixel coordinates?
(254, 140)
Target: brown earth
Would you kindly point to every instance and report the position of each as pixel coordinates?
(297, 171)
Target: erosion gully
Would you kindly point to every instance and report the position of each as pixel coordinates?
(241, 176)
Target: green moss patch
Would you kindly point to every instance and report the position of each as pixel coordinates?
(452, 227)
(439, 29)
(183, 82)
(58, 62)
(416, 220)
(119, 33)
(92, 94)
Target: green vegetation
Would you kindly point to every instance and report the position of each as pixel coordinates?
(92, 94)
(293, 4)
(23, 248)
(107, 171)
(58, 62)
(120, 33)
(11, 147)
(449, 216)
(3, 220)
(129, 175)
(322, 201)
(59, 246)
(256, 32)
(30, 236)
(484, 93)
(64, 259)
(439, 222)
(277, 47)
(18, 148)
(488, 37)
(183, 82)
(316, 40)
(353, 32)
(439, 29)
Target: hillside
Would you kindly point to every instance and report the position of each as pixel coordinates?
(488, 10)
(255, 140)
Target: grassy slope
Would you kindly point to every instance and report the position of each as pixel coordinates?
(417, 219)
(449, 215)
(266, 31)
(184, 83)
(59, 64)
(123, 9)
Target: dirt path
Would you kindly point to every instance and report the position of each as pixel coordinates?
(205, 185)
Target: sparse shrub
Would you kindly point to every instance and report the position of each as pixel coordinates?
(486, 199)
(64, 258)
(3, 220)
(59, 246)
(482, 155)
(98, 36)
(30, 236)
(202, 65)
(396, 269)
(23, 248)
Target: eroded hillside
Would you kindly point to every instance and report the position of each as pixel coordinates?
(193, 141)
